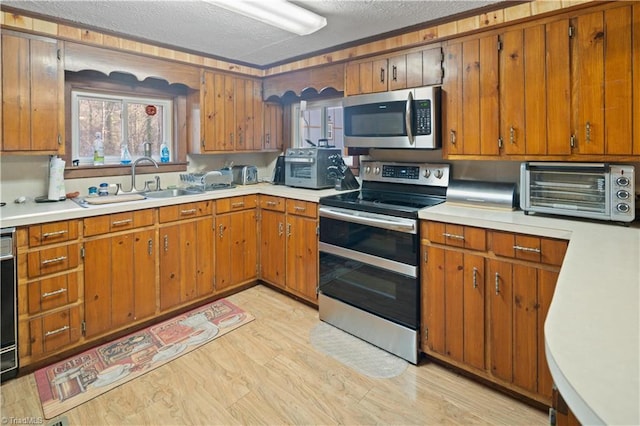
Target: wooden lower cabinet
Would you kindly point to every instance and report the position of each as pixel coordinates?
(484, 310)
(186, 247)
(120, 280)
(236, 254)
(289, 245)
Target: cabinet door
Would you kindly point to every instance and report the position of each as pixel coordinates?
(170, 266)
(243, 114)
(98, 269)
(500, 282)
(122, 279)
(512, 93)
(473, 311)
(144, 258)
(433, 300)
(223, 253)
(272, 247)
(558, 88)
(525, 327)
(546, 287)
(432, 71)
(273, 136)
(244, 246)
(229, 121)
(31, 95)
(204, 259)
(379, 76)
(398, 72)
(636, 78)
(352, 79)
(451, 104)
(302, 256)
(588, 83)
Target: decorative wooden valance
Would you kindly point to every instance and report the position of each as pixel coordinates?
(318, 79)
(80, 57)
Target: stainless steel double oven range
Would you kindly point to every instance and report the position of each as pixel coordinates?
(370, 251)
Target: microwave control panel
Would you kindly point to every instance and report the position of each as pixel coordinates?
(423, 117)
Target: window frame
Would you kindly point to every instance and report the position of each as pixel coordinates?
(125, 100)
(119, 83)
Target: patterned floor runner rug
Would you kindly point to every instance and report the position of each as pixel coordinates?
(78, 379)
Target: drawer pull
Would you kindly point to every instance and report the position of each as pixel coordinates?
(121, 222)
(288, 229)
(166, 243)
(237, 205)
(280, 229)
(54, 234)
(56, 331)
(54, 260)
(497, 284)
(299, 209)
(53, 293)
(527, 249)
(475, 277)
(189, 211)
(453, 236)
(221, 230)
(272, 203)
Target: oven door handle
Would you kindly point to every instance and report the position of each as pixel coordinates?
(407, 226)
(299, 160)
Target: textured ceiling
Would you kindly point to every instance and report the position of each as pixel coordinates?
(202, 27)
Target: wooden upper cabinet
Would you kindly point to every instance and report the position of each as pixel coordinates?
(602, 81)
(558, 88)
(32, 95)
(407, 70)
(231, 114)
(636, 78)
(471, 99)
(273, 137)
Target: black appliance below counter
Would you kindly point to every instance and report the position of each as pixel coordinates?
(278, 171)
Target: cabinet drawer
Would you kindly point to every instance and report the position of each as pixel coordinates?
(50, 233)
(54, 331)
(455, 235)
(269, 202)
(528, 247)
(118, 222)
(51, 293)
(55, 259)
(186, 211)
(302, 208)
(226, 205)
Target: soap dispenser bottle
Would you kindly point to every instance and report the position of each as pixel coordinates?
(125, 156)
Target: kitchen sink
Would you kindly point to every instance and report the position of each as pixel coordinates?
(170, 193)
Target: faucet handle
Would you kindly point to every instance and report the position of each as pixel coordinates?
(157, 178)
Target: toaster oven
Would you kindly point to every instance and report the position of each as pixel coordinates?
(312, 168)
(590, 190)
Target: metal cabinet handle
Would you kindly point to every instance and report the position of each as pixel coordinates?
(221, 230)
(452, 136)
(188, 212)
(572, 141)
(54, 260)
(231, 138)
(512, 135)
(280, 229)
(475, 277)
(497, 284)
(288, 229)
(527, 249)
(56, 331)
(381, 75)
(53, 293)
(267, 139)
(299, 209)
(166, 243)
(54, 234)
(453, 236)
(121, 222)
(150, 246)
(272, 203)
(395, 73)
(588, 131)
(237, 205)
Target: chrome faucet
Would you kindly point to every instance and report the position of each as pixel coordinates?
(133, 174)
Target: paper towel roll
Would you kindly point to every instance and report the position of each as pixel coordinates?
(56, 179)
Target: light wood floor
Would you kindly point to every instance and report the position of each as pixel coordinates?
(267, 372)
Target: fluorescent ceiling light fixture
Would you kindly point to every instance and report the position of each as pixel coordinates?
(279, 13)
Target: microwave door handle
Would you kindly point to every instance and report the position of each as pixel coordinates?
(408, 117)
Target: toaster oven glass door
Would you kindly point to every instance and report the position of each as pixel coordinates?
(582, 190)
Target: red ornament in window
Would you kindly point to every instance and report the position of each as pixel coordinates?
(151, 110)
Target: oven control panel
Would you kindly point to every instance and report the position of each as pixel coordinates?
(432, 174)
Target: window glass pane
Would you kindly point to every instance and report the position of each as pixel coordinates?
(145, 124)
(103, 116)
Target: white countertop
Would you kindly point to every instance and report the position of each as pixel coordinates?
(31, 212)
(592, 331)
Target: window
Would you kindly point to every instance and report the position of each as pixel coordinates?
(121, 120)
(318, 120)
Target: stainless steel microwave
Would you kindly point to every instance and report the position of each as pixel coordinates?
(397, 119)
(591, 190)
